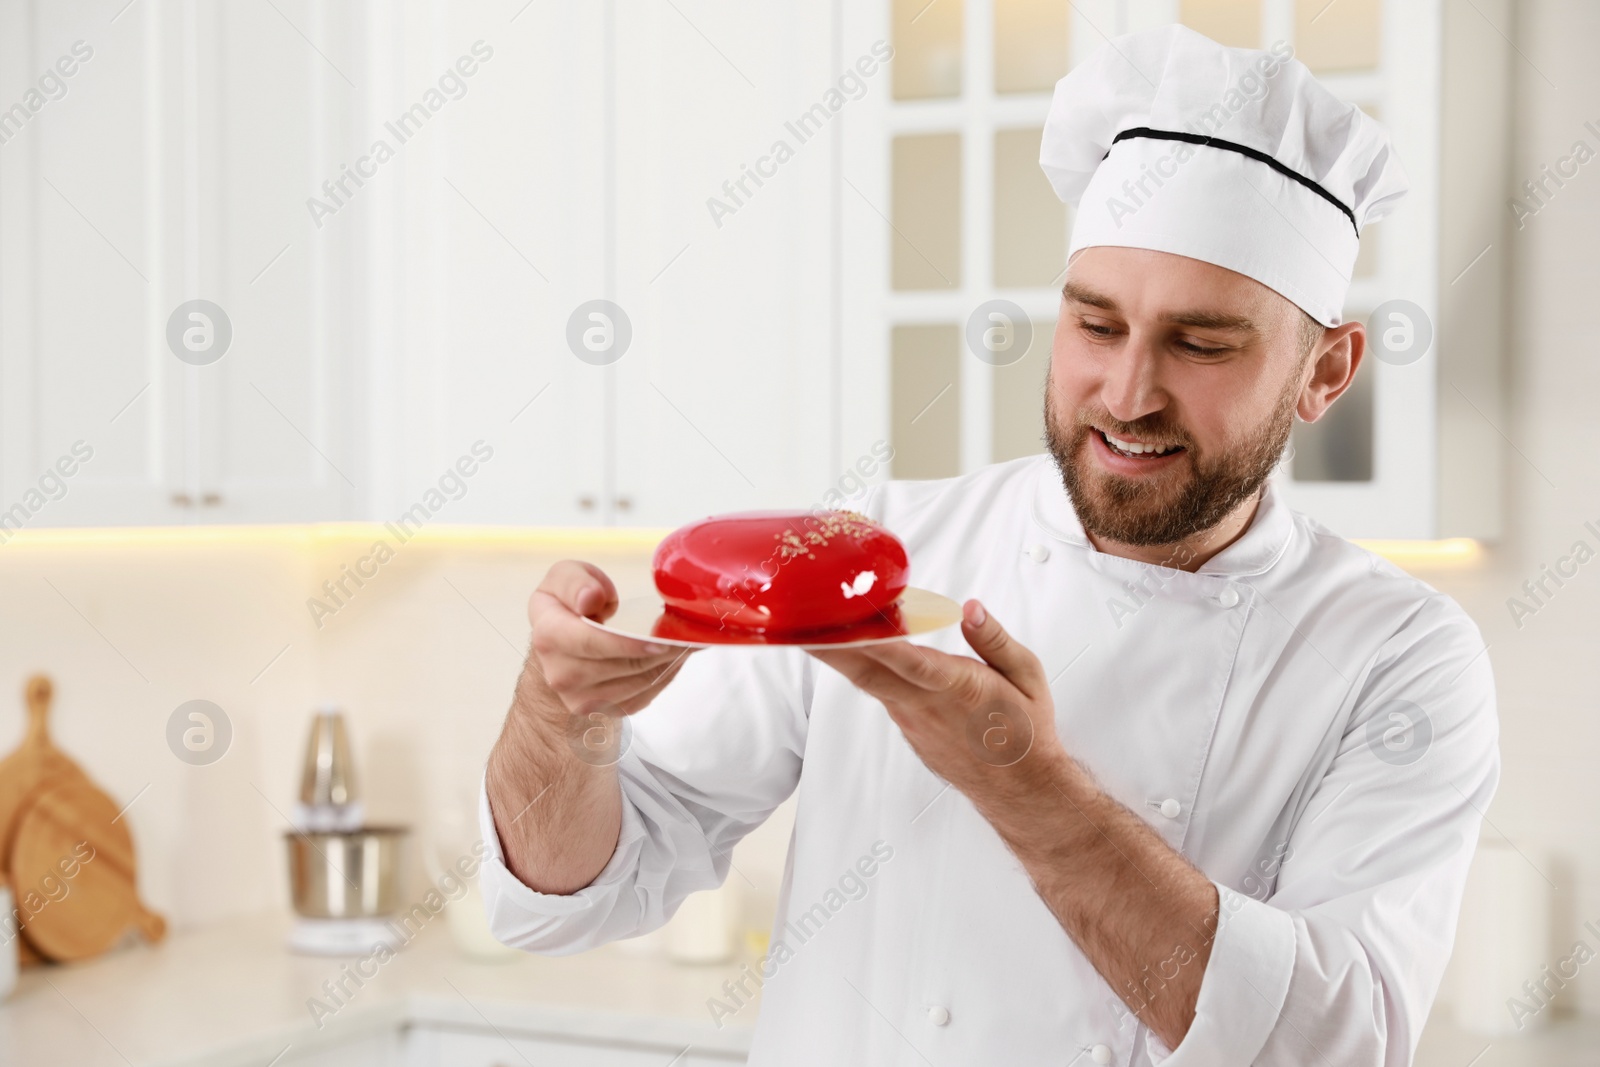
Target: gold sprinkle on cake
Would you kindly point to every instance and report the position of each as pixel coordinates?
(822, 528)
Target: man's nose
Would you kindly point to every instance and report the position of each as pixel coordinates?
(1132, 387)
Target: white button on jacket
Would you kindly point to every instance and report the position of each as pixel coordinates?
(1339, 844)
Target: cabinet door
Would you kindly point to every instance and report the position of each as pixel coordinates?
(80, 371)
(173, 166)
(265, 120)
(941, 182)
(724, 243)
(504, 224)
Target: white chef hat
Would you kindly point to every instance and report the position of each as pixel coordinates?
(1167, 140)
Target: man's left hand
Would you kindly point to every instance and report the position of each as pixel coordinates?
(970, 720)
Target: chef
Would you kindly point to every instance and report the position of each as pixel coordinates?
(1194, 782)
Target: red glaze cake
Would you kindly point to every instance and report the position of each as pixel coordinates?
(781, 572)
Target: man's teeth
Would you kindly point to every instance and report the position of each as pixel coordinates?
(1137, 449)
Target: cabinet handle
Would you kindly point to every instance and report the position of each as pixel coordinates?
(624, 503)
(183, 500)
(211, 500)
(586, 503)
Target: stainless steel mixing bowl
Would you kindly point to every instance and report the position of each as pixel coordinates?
(352, 874)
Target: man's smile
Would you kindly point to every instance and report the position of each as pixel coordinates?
(1129, 456)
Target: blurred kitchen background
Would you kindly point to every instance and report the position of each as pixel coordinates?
(487, 285)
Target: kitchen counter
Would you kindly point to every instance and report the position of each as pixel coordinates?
(1565, 1042)
(233, 994)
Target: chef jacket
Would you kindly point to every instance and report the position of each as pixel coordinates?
(1311, 727)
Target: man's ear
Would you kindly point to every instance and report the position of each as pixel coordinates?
(1333, 364)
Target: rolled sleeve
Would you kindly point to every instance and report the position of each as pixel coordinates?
(1243, 990)
(518, 913)
(709, 761)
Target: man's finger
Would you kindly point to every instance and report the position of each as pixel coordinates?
(643, 698)
(1002, 651)
(596, 672)
(926, 668)
(620, 689)
(871, 676)
(560, 631)
(582, 587)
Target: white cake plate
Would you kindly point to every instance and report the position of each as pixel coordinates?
(646, 618)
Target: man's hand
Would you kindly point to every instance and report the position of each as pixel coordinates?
(971, 721)
(1143, 916)
(586, 667)
(552, 778)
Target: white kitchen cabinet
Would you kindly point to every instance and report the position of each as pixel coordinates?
(434, 1046)
(947, 213)
(498, 221)
(174, 166)
(395, 311)
(578, 169)
(75, 262)
(724, 247)
(796, 231)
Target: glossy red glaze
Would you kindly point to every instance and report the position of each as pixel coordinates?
(781, 571)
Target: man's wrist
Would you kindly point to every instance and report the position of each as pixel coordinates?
(1016, 795)
(535, 706)
(1048, 771)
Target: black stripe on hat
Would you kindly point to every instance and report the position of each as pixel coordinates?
(1244, 150)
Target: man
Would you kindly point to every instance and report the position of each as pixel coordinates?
(1196, 782)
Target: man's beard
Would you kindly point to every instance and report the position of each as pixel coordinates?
(1157, 512)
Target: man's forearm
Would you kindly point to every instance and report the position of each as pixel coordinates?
(1137, 909)
(558, 816)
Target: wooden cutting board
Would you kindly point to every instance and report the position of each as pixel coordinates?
(74, 827)
(35, 764)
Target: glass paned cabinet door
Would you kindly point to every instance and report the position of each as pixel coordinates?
(927, 48)
(926, 189)
(1018, 399)
(925, 400)
(1339, 446)
(1341, 36)
(1030, 223)
(1235, 23)
(1031, 44)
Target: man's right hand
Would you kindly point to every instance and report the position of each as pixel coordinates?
(589, 669)
(552, 777)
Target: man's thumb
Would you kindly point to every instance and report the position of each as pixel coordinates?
(999, 649)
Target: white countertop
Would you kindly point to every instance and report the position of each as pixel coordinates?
(1565, 1042)
(234, 994)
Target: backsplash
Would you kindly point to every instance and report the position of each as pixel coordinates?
(422, 655)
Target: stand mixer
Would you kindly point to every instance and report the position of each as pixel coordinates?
(344, 876)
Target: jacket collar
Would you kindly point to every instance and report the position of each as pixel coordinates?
(1262, 544)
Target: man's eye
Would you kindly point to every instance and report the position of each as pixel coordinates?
(1200, 350)
(1095, 328)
